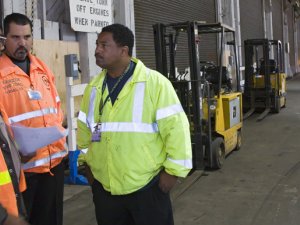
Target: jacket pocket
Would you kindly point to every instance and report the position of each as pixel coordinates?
(149, 157)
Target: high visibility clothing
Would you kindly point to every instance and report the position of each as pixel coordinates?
(145, 131)
(7, 194)
(46, 112)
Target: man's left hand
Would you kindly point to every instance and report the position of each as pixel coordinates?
(26, 157)
(166, 181)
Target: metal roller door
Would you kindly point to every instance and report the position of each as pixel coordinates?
(278, 23)
(252, 25)
(148, 13)
(290, 16)
(277, 20)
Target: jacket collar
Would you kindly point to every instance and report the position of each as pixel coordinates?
(139, 74)
(7, 67)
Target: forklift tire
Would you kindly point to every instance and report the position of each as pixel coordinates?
(239, 141)
(277, 105)
(284, 103)
(218, 153)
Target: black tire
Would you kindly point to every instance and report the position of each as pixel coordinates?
(239, 141)
(218, 153)
(284, 103)
(277, 105)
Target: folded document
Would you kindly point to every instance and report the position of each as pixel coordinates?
(32, 139)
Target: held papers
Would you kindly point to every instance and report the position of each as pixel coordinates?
(32, 139)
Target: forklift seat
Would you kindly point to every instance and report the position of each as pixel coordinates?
(272, 66)
(213, 76)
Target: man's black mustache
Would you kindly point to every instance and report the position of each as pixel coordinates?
(98, 55)
(22, 48)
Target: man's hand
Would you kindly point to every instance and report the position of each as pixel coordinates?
(166, 181)
(89, 174)
(26, 157)
(13, 220)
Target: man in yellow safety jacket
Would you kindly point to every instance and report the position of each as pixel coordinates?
(133, 134)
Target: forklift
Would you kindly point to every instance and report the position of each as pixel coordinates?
(265, 81)
(214, 111)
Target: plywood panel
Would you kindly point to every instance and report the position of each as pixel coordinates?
(52, 54)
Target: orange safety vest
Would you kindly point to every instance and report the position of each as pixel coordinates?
(7, 193)
(46, 112)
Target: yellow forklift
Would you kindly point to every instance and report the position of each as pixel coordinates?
(265, 81)
(214, 111)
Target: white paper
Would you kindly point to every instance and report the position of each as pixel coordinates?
(32, 139)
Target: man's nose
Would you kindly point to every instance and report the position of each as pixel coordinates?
(22, 42)
(98, 49)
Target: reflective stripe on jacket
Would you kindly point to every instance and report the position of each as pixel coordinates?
(145, 130)
(14, 84)
(7, 194)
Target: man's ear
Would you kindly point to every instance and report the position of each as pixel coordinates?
(124, 51)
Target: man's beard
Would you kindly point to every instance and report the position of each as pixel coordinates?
(21, 55)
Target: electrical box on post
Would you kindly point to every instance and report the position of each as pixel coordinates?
(71, 65)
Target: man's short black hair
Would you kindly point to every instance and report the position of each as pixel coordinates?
(122, 35)
(16, 18)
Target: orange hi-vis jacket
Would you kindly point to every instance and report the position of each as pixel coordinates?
(45, 112)
(7, 194)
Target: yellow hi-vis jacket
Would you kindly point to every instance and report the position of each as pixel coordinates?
(145, 131)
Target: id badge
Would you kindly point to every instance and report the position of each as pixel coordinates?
(34, 94)
(96, 136)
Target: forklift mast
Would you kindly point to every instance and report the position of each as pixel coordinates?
(268, 93)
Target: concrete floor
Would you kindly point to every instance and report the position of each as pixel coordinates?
(257, 185)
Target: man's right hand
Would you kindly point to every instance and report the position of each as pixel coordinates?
(13, 220)
(26, 157)
(89, 174)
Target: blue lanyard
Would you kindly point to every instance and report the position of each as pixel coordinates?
(113, 89)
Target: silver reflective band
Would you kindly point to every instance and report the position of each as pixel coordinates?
(57, 99)
(43, 161)
(90, 119)
(129, 127)
(32, 114)
(168, 111)
(82, 117)
(188, 163)
(138, 103)
(84, 151)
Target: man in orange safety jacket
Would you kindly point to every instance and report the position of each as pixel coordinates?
(12, 181)
(29, 95)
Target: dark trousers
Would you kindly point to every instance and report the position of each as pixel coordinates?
(147, 207)
(43, 197)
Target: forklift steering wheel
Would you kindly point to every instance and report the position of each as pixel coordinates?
(209, 63)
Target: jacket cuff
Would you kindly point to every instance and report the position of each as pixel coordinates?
(175, 169)
(81, 159)
(3, 215)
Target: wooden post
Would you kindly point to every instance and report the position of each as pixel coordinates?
(124, 14)
(88, 66)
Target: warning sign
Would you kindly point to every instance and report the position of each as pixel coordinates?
(90, 15)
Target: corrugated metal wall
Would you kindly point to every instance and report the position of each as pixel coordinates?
(277, 20)
(148, 13)
(290, 16)
(252, 25)
(278, 24)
